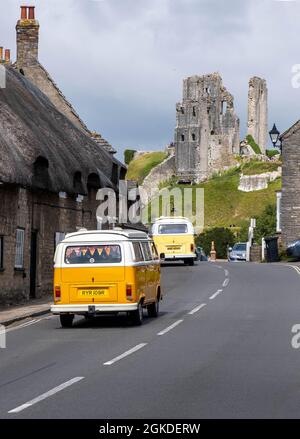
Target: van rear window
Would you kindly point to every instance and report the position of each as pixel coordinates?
(170, 229)
(93, 254)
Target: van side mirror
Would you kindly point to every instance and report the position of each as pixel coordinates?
(162, 256)
(230, 249)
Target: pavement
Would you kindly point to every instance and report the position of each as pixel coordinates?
(33, 308)
(220, 348)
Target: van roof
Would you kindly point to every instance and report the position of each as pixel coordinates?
(172, 219)
(105, 235)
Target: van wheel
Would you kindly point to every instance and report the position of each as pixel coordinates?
(137, 315)
(191, 262)
(153, 309)
(66, 320)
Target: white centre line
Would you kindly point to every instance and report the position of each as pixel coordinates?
(46, 395)
(215, 294)
(120, 357)
(226, 273)
(164, 331)
(197, 309)
(226, 282)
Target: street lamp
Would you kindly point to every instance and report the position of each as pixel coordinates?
(274, 136)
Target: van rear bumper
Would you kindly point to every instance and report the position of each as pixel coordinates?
(170, 257)
(98, 307)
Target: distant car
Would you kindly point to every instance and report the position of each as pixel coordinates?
(200, 255)
(293, 249)
(237, 252)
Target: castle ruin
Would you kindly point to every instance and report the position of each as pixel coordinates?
(258, 112)
(207, 134)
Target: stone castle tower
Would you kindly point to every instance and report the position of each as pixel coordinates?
(258, 112)
(207, 128)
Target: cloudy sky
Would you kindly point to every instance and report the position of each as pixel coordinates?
(121, 62)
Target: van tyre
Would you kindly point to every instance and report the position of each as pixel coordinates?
(137, 315)
(191, 262)
(153, 309)
(66, 320)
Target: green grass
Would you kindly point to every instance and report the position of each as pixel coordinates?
(225, 205)
(257, 167)
(253, 144)
(138, 169)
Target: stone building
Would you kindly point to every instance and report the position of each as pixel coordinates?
(290, 194)
(50, 172)
(258, 112)
(207, 134)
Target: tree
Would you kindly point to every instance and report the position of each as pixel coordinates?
(265, 223)
(221, 236)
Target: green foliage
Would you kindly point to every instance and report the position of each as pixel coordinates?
(139, 168)
(128, 155)
(254, 167)
(253, 144)
(272, 153)
(221, 236)
(265, 223)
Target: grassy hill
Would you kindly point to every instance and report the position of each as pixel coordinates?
(139, 168)
(225, 205)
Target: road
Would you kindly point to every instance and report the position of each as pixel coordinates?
(221, 348)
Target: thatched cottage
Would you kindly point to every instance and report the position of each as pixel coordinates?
(51, 167)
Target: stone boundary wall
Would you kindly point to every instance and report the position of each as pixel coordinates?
(251, 183)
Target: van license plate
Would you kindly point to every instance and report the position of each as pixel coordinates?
(93, 293)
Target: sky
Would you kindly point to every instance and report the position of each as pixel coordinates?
(121, 63)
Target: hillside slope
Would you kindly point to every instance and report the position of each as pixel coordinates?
(140, 167)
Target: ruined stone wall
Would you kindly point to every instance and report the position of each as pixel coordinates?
(258, 112)
(207, 129)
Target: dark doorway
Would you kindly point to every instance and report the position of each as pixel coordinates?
(33, 259)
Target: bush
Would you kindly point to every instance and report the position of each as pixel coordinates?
(128, 155)
(272, 153)
(253, 144)
(265, 224)
(222, 237)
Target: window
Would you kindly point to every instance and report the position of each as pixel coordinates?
(93, 254)
(154, 251)
(193, 137)
(138, 255)
(146, 251)
(182, 137)
(19, 260)
(170, 229)
(194, 111)
(1, 252)
(182, 110)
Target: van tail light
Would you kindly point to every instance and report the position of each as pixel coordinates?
(192, 247)
(57, 293)
(129, 292)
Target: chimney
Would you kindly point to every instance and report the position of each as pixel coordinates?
(1, 55)
(7, 56)
(27, 38)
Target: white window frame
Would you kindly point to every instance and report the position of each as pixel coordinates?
(19, 257)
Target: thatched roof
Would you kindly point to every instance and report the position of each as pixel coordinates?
(31, 128)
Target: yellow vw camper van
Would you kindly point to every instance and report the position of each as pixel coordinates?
(108, 271)
(174, 237)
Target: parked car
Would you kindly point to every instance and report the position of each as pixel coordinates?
(200, 255)
(293, 249)
(237, 252)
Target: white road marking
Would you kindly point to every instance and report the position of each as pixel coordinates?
(226, 282)
(46, 395)
(164, 331)
(295, 267)
(215, 294)
(197, 309)
(226, 273)
(23, 325)
(120, 357)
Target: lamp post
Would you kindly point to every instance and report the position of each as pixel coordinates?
(274, 136)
